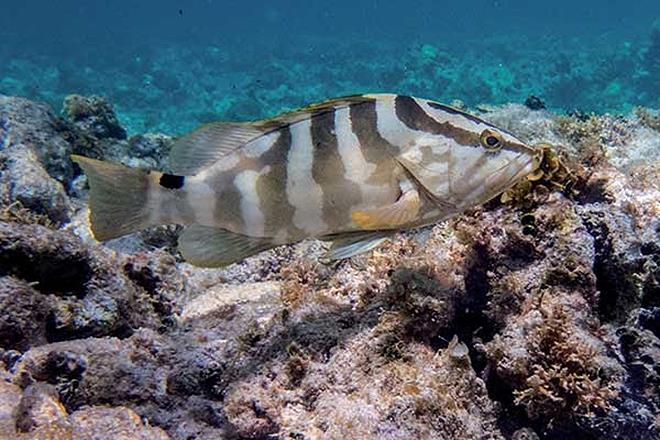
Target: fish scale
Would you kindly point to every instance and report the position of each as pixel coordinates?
(352, 171)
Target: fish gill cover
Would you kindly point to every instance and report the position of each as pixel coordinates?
(534, 316)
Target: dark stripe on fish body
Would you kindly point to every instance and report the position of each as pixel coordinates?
(374, 147)
(228, 207)
(414, 117)
(508, 145)
(271, 188)
(328, 170)
(364, 120)
(185, 211)
(453, 111)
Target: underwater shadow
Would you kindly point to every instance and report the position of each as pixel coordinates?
(421, 307)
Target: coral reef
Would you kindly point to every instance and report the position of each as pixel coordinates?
(93, 115)
(170, 87)
(55, 287)
(534, 316)
(27, 124)
(652, 60)
(36, 412)
(534, 103)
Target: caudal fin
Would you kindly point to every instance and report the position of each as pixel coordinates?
(118, 197)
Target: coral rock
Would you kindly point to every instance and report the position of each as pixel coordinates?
(25, 123)
(93, 115)
(23, 320)
(39, 406)
(534, 103)
(10, 397)
(90, 290)
(25, 181)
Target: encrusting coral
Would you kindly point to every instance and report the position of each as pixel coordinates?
(534, 316)
(648, 118)
(652, 59)
(93, 115)
(562, 373)
(171, 87)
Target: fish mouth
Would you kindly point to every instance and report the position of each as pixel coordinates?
(529, 165)
(498, 181)
(524, 164)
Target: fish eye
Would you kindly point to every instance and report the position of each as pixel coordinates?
(491, 140)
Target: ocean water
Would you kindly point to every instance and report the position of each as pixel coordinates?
(169, 65)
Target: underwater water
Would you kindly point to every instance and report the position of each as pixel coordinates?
(169, 65)
(526, 308)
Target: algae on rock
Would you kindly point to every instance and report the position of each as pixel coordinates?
(525, 319)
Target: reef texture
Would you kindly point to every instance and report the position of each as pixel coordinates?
(171, 87)
(536, 316)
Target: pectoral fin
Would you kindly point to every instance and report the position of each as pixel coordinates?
(426, 179)
(213, 247)
(402, 212)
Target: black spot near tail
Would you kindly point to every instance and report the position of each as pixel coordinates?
(171, 181)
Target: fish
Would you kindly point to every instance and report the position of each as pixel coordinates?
(352, 171)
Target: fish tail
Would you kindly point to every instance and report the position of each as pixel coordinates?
(118, 197)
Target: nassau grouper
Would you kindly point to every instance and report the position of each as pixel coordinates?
(351, 170)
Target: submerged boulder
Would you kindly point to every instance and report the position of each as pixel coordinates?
(24, 312)
(534, 316)
(37, 412)
(35, 169)
(78, 290)
(94, 116)
(25, 184)
(27, 124)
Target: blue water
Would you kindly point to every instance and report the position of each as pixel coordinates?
(169, 65)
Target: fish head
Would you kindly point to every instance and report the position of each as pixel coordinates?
(493, 163)
(470, 161)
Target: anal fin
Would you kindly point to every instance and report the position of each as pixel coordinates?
(404, 211)
(205, 246)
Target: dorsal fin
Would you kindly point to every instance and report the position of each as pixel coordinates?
(304, 113)
(209, 143)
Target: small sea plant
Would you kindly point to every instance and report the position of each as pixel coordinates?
(553, 174)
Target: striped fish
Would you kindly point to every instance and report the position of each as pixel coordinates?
(352, 171)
